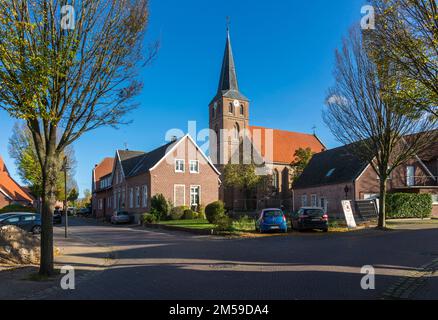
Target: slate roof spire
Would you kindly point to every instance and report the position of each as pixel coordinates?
(228, 85)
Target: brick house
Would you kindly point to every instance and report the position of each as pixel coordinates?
(179, 170)
(229, 119)
(336, 175)
(10, 191)
(101, 187)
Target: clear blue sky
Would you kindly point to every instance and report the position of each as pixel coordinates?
(284, 53)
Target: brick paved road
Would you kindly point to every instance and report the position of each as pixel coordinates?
(167, 265)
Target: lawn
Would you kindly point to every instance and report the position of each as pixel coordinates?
(238, 226)
(189, 224)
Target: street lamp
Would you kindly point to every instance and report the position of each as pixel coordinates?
(65, 168)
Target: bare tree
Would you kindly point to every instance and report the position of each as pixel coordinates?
(408, 33)
(363, 114)
(67, 72)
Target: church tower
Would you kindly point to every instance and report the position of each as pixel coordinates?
(229, 111)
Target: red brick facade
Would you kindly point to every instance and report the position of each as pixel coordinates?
(199, 186)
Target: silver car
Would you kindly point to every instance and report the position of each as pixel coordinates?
(120, 217)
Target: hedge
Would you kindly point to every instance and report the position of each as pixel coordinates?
(17, 208)
(408, 205)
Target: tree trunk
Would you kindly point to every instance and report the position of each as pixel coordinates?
(382, 203)
(47, 207)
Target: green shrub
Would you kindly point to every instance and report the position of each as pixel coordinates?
(408, 205)
(188, 214)
(159, 206)
(148, 218)
(17, 208)
(214, 211)
(245, 223)
(224, 223)
(176, 213)
(200, 216)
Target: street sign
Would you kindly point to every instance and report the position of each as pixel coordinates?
(348, 212)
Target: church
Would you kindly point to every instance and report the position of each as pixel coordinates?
(229, 118)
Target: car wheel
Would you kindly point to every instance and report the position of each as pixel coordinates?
(36, 230)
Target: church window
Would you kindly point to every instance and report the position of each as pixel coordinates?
(236, 131)
(275, 179)
(242, 110)
(230, 108)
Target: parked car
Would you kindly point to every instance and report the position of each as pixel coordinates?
(57, 217)
(30, 222)
(308, 218)
(84, 212)
(120, 217)
(271, 220)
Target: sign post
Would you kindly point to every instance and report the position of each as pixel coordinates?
(348, 212)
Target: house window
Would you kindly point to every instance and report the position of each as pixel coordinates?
(131, 197)
(195, 195)
(123, 197)
(179, 195)
(115, 199)
(179, 165)
(137, 197)
(323, 204)
(108, 202)
(304, 200)
(410, 176)
(435, 199)
(100, 204)
(314, 200)
(275, 179)
(194, 166)
(145, 196)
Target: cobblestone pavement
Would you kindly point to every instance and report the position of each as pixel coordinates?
(149, 264)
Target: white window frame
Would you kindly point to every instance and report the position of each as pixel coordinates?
(131, 198)
(410, 176)
(145, 196)
(174, 193)
(137, 197)
(199, 188)
(434, 199)
(197, 165)
(177, 167)
(314, 200)
(304, 200)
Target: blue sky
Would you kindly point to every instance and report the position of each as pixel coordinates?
(284, 54)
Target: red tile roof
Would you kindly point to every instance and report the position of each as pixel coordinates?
(104, 168)
(10, 187)
(285, 143)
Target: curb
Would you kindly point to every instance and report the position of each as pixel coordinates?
(406, 286)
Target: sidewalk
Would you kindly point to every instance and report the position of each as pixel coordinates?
(87, 258)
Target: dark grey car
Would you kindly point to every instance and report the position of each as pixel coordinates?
(29, 222)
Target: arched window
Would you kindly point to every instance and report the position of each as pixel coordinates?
(242, 110)
(275, 179)
(230, 108)
(236, 131)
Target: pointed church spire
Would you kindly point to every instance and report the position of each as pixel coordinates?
(228, 85)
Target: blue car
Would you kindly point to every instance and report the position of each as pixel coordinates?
(271, 220)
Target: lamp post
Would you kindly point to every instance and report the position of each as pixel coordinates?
(64, 169)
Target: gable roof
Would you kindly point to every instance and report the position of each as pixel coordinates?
(331, 167)
(104, 168)
(285, 143)
(138, 162)
(10, 188)
(150, 159)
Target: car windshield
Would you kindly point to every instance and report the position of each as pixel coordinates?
(272, 214)
(313, 212)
